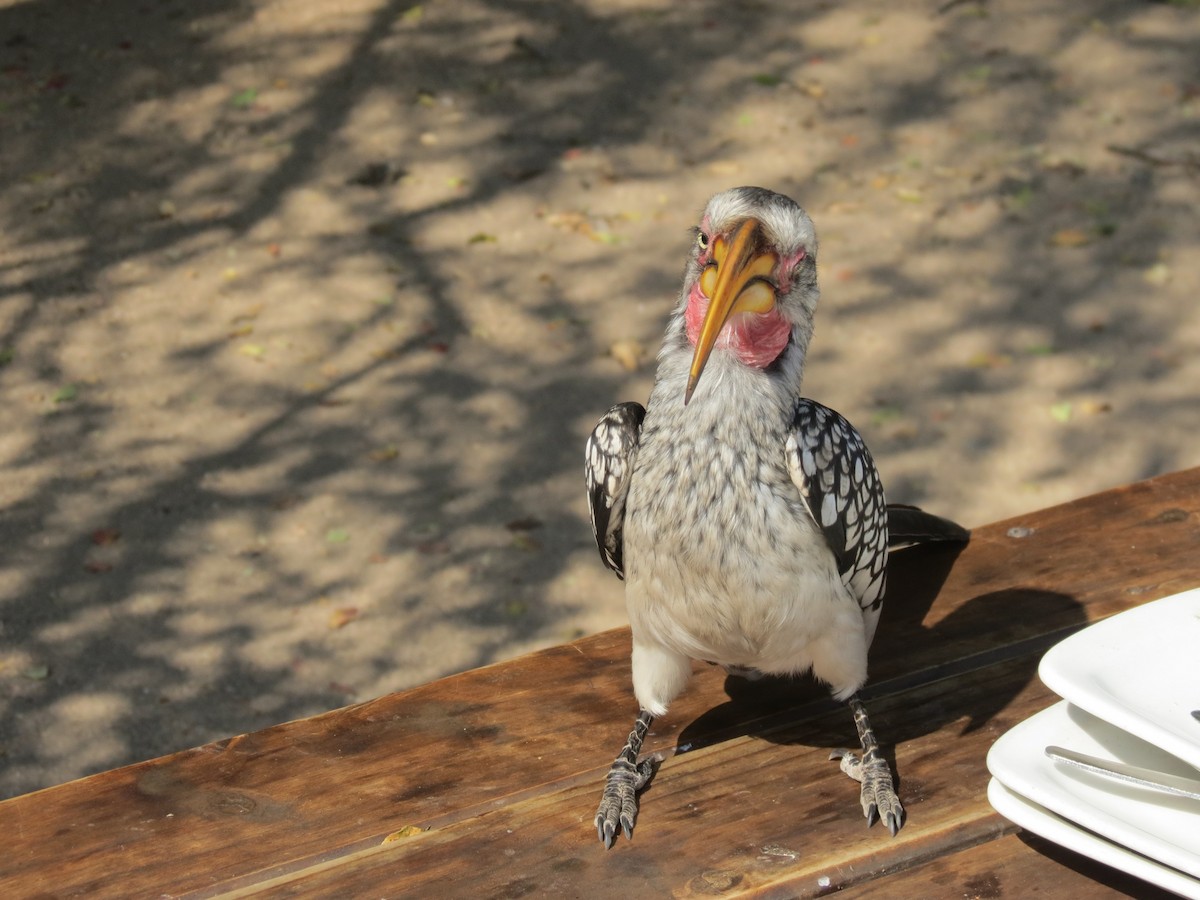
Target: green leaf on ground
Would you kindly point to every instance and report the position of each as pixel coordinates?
(244, 99)
(886, 414)
(1158, 275)
(1061, 412)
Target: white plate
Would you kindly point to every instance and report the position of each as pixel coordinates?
(1041, 821)
(1138, 671)
(1157, 825)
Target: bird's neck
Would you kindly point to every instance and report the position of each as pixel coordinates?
(728, 378)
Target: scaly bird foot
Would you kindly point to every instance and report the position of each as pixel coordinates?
(619, 805)
(878, 793)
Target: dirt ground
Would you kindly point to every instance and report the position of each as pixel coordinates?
(306, 310)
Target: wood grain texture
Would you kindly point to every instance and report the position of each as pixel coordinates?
(1015, 865)
(496, 772)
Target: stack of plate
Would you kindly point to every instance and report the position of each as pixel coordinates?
(1130, 683)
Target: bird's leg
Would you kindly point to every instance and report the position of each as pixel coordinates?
(618, 805)
(871, 770)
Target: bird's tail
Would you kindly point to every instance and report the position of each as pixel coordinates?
(908, 525)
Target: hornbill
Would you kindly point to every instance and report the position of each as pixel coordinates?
(748, 522)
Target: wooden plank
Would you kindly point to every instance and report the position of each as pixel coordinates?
(543, 729)
(1015, 865)
(765, 811)
(281, 797)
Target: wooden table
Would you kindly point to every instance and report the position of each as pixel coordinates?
(484, 784)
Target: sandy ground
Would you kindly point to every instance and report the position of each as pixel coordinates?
(307, 308)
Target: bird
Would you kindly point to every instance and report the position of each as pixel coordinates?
(749, 523)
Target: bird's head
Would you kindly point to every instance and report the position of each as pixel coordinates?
(751, 280)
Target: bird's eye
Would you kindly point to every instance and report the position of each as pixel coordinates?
(702, 240)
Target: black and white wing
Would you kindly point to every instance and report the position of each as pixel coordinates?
(832, 468)
(608, 463)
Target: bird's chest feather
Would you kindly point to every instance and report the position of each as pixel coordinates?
(721, 555)
(711, 500)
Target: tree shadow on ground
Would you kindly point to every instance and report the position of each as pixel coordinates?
(537, 86)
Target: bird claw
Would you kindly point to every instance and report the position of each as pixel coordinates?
(878, 794)
(894, 822)
(619, 804)
(606, 831)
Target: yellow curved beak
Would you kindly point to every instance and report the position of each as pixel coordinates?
(734, 282)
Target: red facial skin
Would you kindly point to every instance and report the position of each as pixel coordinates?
(756, 338)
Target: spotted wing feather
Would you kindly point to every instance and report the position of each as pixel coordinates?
(832, 468)
(608, 464)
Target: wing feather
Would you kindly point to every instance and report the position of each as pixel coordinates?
(608, 463)
(909, 526)
(834, 472)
